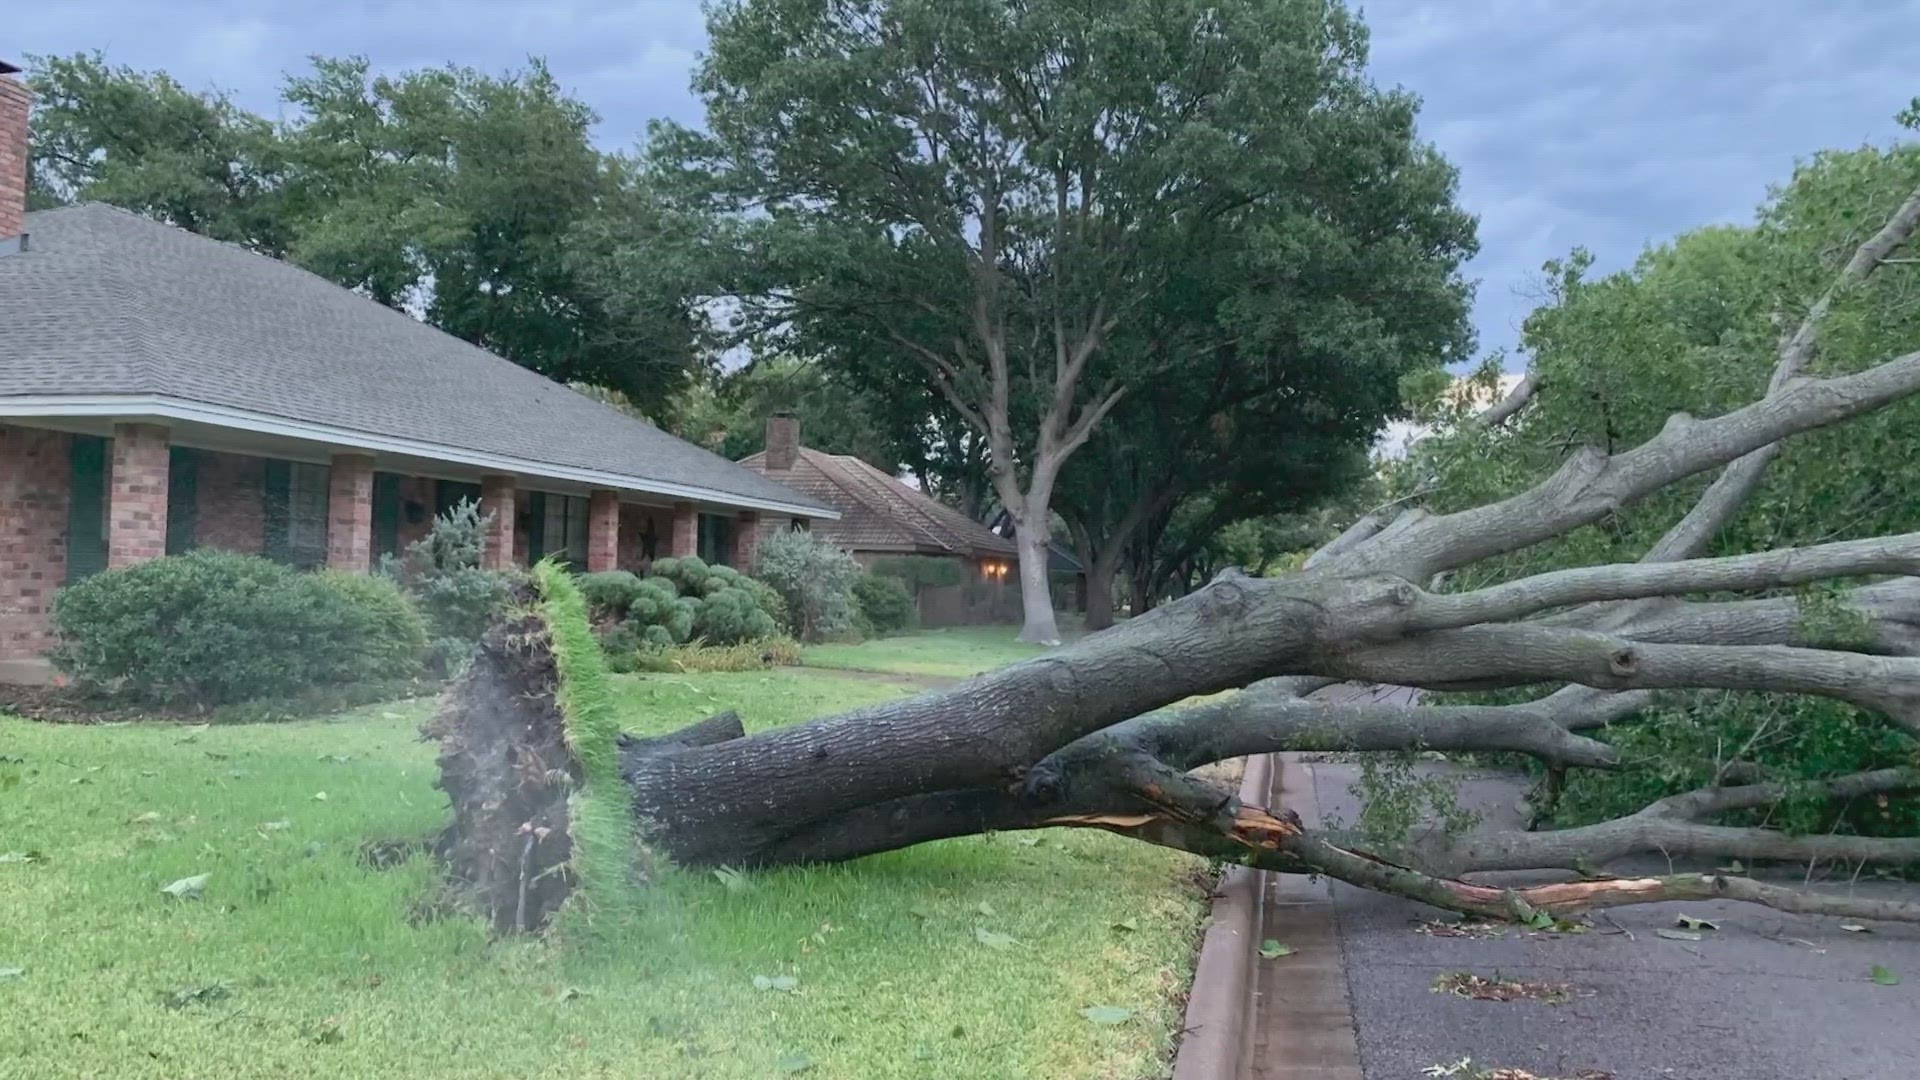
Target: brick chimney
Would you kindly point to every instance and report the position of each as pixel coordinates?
(14, 99)
(783, 441)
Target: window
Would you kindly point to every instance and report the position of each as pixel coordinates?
(716, 539)
(386, 514)
(183, 503)
(87, 507)
(448, 494)
(557, 525)
(296, 513)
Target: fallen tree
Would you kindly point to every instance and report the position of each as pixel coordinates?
(1084, 737)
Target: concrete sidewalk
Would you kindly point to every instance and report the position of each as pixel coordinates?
(1768, 996)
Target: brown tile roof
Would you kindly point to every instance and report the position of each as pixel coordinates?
(880, 513)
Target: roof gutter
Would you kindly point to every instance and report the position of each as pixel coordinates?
(150, 405)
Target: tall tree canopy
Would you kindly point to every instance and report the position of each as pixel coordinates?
(1037, 209)
(477, 201)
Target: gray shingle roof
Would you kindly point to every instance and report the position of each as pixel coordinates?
(105, 302)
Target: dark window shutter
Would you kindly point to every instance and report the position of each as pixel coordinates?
(536, 529)
(276, 494)
(386, 514)
(87, 507)
(183, 502)
(715, 533)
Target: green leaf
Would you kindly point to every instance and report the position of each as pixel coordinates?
(1884, 976)
(1541, 920)
(993, 939)
(786, 984)
(792, 1064)
(1272, 949)
(187, 888)
(1107, 1015)
(1677, 935)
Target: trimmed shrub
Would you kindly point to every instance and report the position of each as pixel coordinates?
(816, 581)
(609, 593)
(210, 628)
(658, 605)
(885, 604)
(685, 600)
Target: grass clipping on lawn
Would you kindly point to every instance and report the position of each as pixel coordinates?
(604, 841)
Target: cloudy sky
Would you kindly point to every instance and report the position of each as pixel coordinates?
(1604, 123)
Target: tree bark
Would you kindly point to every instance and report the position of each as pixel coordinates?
(1038, 626)
(1099, 595)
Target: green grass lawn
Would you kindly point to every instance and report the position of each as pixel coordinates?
(298, 960)
(955, 653)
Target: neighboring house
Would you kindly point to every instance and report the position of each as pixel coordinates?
(161, 391)
(882, 518)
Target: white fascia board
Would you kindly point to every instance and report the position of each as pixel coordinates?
(111, 405)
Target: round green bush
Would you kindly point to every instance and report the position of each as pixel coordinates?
(885, 604)
(210, 628)
(609, 593)
(729, 615)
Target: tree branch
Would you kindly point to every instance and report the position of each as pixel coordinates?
(1593, 485)
(1730, 491)
(1588, 584)
(1516, 654)
(1518, 398)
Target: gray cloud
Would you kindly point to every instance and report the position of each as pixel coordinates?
(1605, 123)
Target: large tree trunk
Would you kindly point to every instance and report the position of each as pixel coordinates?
(1038, 625)
(1099, 595)
(1083, 737)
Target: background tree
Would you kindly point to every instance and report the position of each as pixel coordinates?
(1011, 202)
(141, 141)
(474, 201)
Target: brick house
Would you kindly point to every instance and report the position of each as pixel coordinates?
(882, 518)
(161, 391)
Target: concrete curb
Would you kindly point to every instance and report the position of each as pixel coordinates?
(1220, 1005)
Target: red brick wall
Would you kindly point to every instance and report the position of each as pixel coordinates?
(497, 499)
(137, 494)
(14, 102)
(746, 542)
(350, 513)
(634, 520)
(34, 475)
(230, 503)
(685, 538)
(603, 531)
